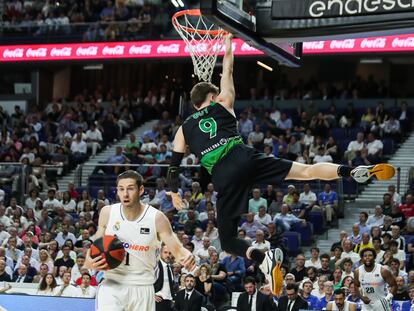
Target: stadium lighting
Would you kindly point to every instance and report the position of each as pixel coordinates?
(371, 61)
(264, 66)
(180, 3)
(175, 3)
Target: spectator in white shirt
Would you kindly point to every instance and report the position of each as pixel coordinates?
(377, 219)
(68, 203)
(263, 217)
(51, 203)
(322, 156)
(353, 147)
(13, 206)
(314, 261)
(308, 197)
(395, 196)
(147, 145)
(374, 147)
(260, 242)
(202, 252)
(85, 290)
(4, 220)
(65, 235)
(66, 289)
(78, 149)
(93, 138)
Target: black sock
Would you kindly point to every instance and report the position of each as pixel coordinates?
(344, 170)
(257, 255)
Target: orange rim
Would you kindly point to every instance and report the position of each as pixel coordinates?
(194, 12)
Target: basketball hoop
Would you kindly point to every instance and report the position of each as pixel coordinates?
(204, 40)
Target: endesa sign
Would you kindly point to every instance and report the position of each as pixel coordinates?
(177, 48)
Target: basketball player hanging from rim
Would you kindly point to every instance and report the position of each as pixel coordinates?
(211, 133)
(141, 227)
(371, 280)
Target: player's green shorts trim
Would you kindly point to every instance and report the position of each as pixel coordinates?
(212, 157)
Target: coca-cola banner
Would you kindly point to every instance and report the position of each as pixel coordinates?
(177, 48)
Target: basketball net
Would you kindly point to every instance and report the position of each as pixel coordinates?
(203, 39)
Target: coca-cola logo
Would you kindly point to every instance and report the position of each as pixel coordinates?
(87, 51)
(342, 44)
(116, 50)
(376, 43)
(65, 51)
(15, 53)
(168, 49)
(403, 42)
(40, 52)
(143, 49)
(314, 45)
(247, 48)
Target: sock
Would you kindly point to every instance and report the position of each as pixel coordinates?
(344, 170)
(257, 255)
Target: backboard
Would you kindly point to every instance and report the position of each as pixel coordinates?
(278, 26)
(230, 16)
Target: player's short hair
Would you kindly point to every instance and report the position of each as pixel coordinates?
(249, 279)
(368, 249)
(339, 291)
(131, 174)
(200, 91)
(293, 286)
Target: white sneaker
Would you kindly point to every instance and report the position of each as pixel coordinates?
(381, 171)
(273, 258)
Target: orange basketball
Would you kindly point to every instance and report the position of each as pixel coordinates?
(109, 247)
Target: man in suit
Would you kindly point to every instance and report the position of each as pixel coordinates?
(292, 301)
(189, 299)
(252, 299)
(164, 285)
(22, 276)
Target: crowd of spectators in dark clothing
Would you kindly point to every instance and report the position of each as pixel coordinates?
(91, 20)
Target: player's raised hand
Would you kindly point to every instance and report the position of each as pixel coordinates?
(227, 40)
(98, 263)
(177, 201)
(188, 261)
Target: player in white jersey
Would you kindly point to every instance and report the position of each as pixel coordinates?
(130, 286)
(339, 303)
(370, 283)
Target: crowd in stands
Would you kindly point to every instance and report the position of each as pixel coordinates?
(44, 238)
(93, 20)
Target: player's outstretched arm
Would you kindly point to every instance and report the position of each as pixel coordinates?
(227, 93)
(174, 168)
(98, 263)
(165, 233)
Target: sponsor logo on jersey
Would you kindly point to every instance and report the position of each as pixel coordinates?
(117, 226)
(144, 230)
(136, 247)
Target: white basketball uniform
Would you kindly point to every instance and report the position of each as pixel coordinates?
(130, 286)
(374, 287)
(346, 306)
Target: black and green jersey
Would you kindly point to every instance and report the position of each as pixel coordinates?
(210, 133)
